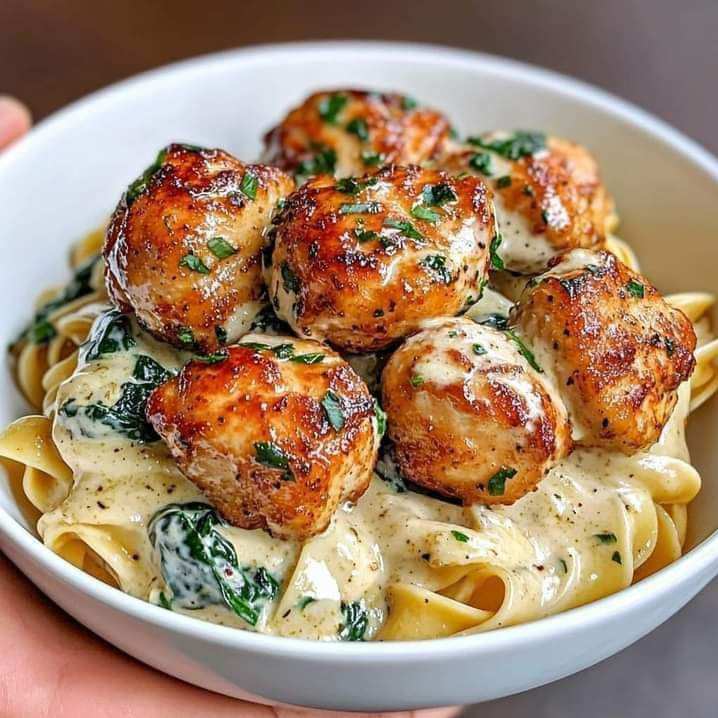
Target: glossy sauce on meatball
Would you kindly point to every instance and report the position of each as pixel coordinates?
(547, 191)
(361, 262)
(184, 245)
(276, 434)
(351, 132)
(468, 416)
(615, 349)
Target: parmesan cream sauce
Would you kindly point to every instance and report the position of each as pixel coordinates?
(591, 522)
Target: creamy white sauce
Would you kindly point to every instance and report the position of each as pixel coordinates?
(544, 548)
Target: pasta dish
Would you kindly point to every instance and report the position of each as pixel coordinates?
(383, 384)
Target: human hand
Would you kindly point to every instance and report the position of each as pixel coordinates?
(51, 665)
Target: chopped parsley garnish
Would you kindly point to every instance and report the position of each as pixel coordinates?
(358, 127)
(289, 278)
(503, 182)
(311, 358)
(496, 261)
(283, 351)
(221, 333)
(408, 103)
(266, 319)
(304, 601)
(521, 144)
(214, 357)
(436, 195)
(428, 215)
(478, 349)
(380, 415)
(606, 537)
(333, 409)
(220, 247)
(372, 159)
(185, 336)
(193, 262)
(616, 557)
(201, 566)
(497, 483)
(417, 380)
(113, 333)
(365, 235)
(351, 185)
(563, 565)
(436, 264)
(330, 107)
(140, 184)
(256, 346)
(525, 352)
(406, 228)
(248, 185)
(269, 454)
(460, 537)
(481, 162)
(635, 289)
(356, 621)
(323, 162)
(360, 208)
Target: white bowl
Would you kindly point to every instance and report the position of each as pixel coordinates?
(65, 177)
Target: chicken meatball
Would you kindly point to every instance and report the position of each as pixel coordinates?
(548, 196)
(468, 415)
(616, 350)
(361, 262)
(349, 132)
(277, 433)
(183, 248)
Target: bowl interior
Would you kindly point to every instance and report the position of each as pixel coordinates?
(67, 177)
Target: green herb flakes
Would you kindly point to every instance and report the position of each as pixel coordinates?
(481, 162)
(497, 483)
(496, 261)
(436, 265)
(194, 263)
(269, 454)
(358, 127)
(360, 208)
(220, 247)
(331, 106)
(525, 352)
(333, 409)
(635, 289)
(460, 537)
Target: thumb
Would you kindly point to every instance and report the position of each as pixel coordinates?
(15, 120)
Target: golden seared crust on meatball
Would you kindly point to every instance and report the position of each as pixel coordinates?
(350, 132)
(468, 416)
(617, 351)
(277, 434)
(183, 249)
(548, 194)
(361, 262)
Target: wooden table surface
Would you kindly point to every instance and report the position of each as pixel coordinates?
(661, 54)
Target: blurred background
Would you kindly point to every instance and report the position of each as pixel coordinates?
(660, 54)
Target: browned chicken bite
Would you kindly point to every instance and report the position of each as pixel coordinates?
(548, 195)
(184, 245)
(276, 434)
(617, 351)
(468, 415)
(361, 262)
(351, 132)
